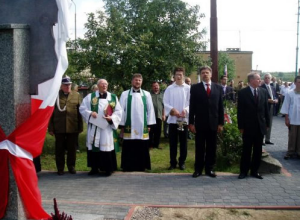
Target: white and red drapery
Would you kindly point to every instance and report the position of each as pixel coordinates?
(27, 140)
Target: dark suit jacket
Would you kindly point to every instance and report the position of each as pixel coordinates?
(206, 113)
(229, 94)
(277, 88)
(252, 115)
(273, 92)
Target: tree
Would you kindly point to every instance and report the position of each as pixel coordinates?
(146, 36)
(223, 60)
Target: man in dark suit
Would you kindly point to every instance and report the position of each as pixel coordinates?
(253, 122)
(276, 86)
(206, 119)
(272, 100)
(228, 93)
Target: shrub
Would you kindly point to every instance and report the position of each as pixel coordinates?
(230, 140)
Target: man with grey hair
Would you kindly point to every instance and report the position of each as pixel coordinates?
(272, 100)
(253, 122)
(102, 113)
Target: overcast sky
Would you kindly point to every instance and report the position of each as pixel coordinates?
(266, 27)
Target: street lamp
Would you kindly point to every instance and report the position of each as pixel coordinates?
(75, 27)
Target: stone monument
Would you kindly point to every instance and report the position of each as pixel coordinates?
(27, 58)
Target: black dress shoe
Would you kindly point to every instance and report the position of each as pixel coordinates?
(211, 174)
(60, 172)
(269, 142)
(72, 171)
(242, 176)
(182, 167)
(93, 172)
(171, 168)
(108, 173)
(257, 175)
(196, 174)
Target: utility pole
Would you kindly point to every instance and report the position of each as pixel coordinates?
(75, 27)
(214, 40)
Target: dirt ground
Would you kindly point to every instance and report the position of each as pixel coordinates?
(226, 214)
(148, 213)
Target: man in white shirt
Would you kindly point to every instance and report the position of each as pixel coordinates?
(176, 103)
(135, 125)
(291, 109)
(283, 91)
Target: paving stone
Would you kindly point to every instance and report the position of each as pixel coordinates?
(113, 197)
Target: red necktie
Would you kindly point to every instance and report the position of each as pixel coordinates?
(208, 89)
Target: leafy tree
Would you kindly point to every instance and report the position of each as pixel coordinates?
(224, 59)
(146, 36)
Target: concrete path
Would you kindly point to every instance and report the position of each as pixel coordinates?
(86, 197)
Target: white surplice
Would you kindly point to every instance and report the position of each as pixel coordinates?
(103, 137)
(178, 97)
(291, 106)
(137, 113)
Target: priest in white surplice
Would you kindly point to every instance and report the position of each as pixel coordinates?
(101, 123)
(135, 125)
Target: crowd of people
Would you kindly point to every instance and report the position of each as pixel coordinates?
(186, 109)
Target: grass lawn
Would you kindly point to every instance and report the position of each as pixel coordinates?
(159, 158)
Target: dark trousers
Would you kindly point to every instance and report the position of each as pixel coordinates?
(251, 143)
(174, 134)
(206, 146)
(277, 106)
(155, 133)
(166, 128)
(65, 142)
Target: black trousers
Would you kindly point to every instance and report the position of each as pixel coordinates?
(166, 128)
(251, 142)
(277, 106)
(174, 134)
(206, 146)
(155, 133)
(135, 155)
(65, 142)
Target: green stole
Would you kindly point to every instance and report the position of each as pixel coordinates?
(127, 129)
(94, 108)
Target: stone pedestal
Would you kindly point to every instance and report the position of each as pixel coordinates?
(269, 164)
(14, 90)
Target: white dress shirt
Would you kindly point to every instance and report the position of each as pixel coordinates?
(284, 90)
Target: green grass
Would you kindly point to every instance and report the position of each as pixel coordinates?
(159, 158)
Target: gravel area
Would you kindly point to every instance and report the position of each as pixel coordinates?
(145, 213)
